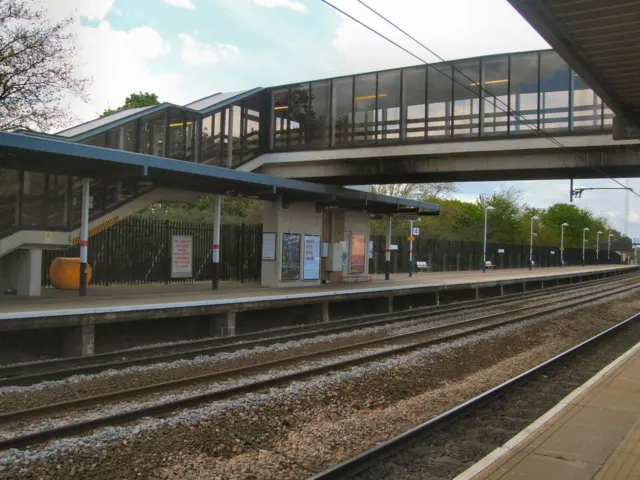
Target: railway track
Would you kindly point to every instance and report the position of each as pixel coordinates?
(448, 444)
(51, 370)
(387, 347)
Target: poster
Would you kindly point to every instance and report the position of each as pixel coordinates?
(290, 256)
(311, 265)
(268, 246)
(181, 256)
(357, 253)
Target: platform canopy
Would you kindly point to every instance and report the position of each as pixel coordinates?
(600, 40)
(47, 155)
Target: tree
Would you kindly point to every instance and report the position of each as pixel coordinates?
(135, 100)
(418, 191)
(37, 68)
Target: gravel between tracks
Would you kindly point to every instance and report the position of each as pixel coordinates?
(14, 397)
(319, 421)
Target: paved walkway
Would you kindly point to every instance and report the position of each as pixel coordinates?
(182, 295)
(594, 433)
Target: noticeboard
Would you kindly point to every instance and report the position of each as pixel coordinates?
(181, 256)
(290, 256)
(268, 246)
(311, 263)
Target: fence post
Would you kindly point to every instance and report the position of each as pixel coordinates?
(167, 240)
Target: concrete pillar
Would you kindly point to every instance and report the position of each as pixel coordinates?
(21, 271)
(387, 252)
(501, 290)
(524, 287)
(437, 297)
(477, 294)
(390, 304)
(79, 341)
(215, 254)
(224, 325)
(324, 312)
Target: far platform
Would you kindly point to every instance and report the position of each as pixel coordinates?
(593, 433)
(138, 302)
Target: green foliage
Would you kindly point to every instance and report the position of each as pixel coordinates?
(234, 210)
(135, 100)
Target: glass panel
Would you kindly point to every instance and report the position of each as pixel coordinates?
(33, 200)
(466, 111)
(608, 116)
(129, 137)
(251, 128)
(146, 135)
(298, 112)
(237, 135)
(319, 114)
(365, 109)
(176, 134)
(8, 199)
(96, 140)
(439, 92)
(554, 92)
(57, 201)
(388, 115)
(207, 140)
(495, 94)
(280, 118)
(414, 101)
(290, 256)
(190, 137)
(159, 127)
(217, 139)
(586, 106)
(342, 111)
(523, 83)
(112, 138)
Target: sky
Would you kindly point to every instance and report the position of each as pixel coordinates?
(183, 50)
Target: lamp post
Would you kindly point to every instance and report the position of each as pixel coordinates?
(609, 247)
(584, 241)
(484, 254)
(598, 233)
(531, 242)
(562, 243)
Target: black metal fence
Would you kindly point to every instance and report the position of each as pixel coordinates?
(445, 255)
(139, 251)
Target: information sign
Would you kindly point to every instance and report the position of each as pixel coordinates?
(290, 256)
(311, 265)
(181, 256)
(268, 246)
(416, 232)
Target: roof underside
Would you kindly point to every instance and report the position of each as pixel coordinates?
(599, 39)
(64, 158)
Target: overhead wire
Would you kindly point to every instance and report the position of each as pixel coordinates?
(481, 89)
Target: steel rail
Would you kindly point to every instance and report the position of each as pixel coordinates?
(57, 369)
(83, 426)
(359, 463)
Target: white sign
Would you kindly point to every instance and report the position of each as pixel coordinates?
(268, 246)
(370, 249)
(393, 247)
(501, 250)
(552, 252)
(416, 231)
(181, 256)
(311, 265)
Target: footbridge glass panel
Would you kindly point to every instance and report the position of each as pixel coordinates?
(493, 96)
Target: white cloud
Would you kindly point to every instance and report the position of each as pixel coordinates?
(188, 4)
(196, 53)
(93, 9)
(296, 6)
(452, 29)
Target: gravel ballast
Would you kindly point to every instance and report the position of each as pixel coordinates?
(319, 421)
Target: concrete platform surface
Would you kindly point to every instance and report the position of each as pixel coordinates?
(124, 298)
(593, 433)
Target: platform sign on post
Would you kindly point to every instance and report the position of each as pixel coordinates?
(501, 250)
(311, 265)
(181, 256)
(415, 232)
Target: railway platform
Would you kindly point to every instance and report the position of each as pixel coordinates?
(117, 317)
(592, 434)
